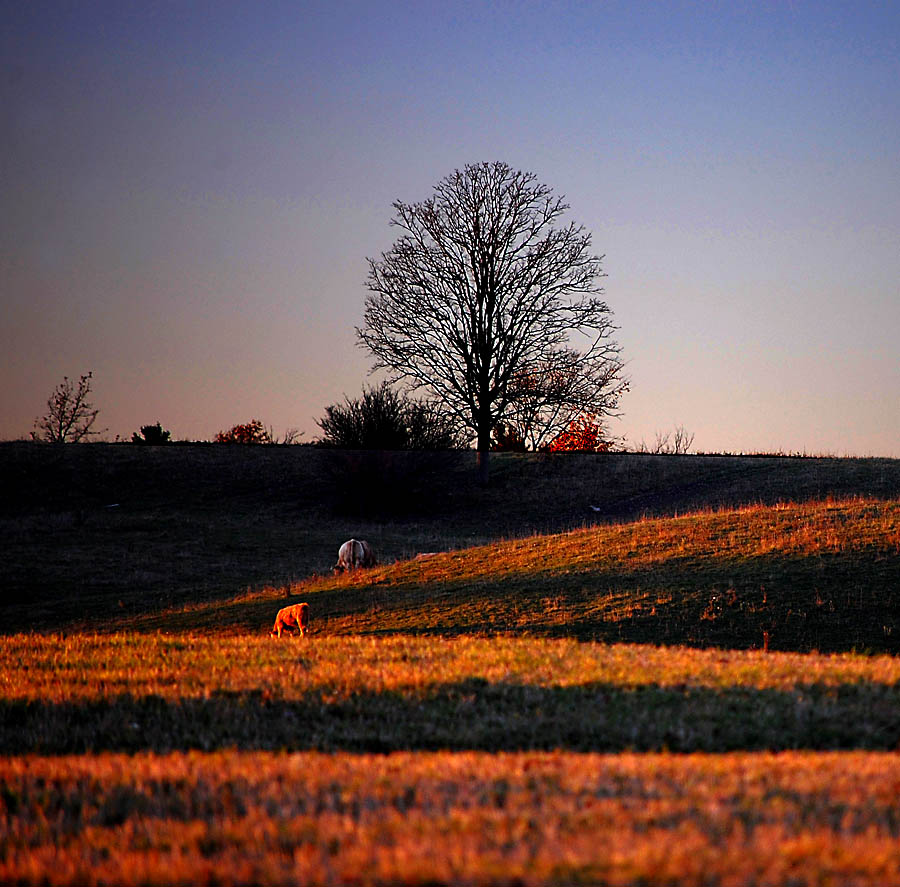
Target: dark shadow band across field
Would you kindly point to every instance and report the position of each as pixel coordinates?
(473, 714)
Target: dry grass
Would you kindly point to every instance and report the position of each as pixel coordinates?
(488, 769)
(207, 523)
(162, 693)
(470, 818)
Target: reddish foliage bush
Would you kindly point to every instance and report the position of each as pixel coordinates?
(584, 435)
(253, 432)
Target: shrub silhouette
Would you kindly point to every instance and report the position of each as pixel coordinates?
(151, 435)
(385, 419)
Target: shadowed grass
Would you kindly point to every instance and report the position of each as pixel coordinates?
(471, 715)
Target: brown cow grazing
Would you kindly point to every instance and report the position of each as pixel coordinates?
(354, 553)
(295, 616)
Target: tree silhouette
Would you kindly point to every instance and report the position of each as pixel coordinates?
(483, 291)
(70, 415)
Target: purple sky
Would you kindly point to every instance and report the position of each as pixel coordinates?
(190, 192)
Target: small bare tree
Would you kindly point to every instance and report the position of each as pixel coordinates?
(70, 415)
(677, 443)
(478, 303)
(291, 436)
(682, 441)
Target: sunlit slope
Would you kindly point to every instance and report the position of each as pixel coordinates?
(117, 533)
(813, 576)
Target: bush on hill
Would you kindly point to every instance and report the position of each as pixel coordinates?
(253, 432)
(385, 419)
(151, 435)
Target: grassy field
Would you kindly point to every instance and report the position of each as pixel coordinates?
(468, 818)
(696, 684)
(162, 693)
(813, 576)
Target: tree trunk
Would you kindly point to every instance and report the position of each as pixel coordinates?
(483, 465)
(484, 456)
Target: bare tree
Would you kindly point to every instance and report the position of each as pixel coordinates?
(70, 415)
(479, 299)
(291, 436)
(683, 441)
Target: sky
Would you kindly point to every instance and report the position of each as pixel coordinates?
(190, 192)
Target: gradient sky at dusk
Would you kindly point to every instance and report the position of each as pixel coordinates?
(190, 191)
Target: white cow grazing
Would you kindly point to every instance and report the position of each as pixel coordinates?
(355, 553)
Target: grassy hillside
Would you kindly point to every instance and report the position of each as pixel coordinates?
(104, 533)
(817, 576)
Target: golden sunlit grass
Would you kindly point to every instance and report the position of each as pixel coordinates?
(439, 818)
(163, 693)
(84, 667)
(92, 532)
(492, 773)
